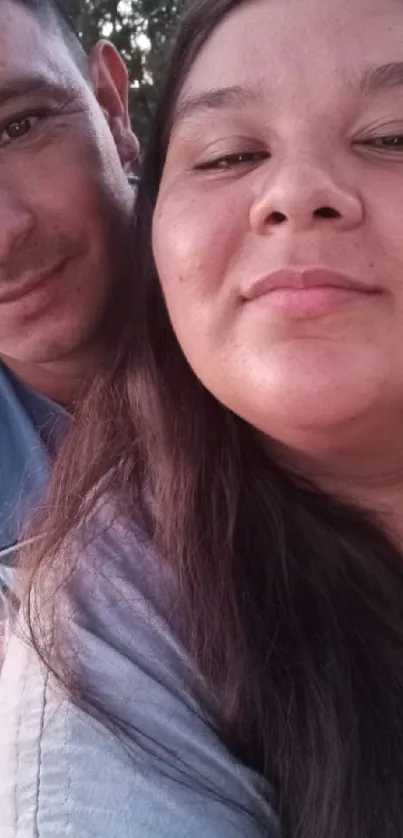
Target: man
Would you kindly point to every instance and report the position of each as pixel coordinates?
(66, 147)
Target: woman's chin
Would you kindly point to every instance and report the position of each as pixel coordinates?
(313, 415)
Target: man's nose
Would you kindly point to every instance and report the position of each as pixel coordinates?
(16, 223)
(301, 196)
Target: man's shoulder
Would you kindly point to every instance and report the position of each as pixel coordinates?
(19, 436)
(24, 462)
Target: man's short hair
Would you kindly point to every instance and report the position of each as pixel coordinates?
(59, 11)
(56, 13)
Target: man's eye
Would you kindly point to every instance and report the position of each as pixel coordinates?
(230, 161)
(18, 128)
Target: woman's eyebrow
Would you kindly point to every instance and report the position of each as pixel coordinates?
(375, 79)
(216, 99)
(382, 77)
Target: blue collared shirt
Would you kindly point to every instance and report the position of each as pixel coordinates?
(31, 428)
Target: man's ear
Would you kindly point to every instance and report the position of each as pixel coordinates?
(110, 81)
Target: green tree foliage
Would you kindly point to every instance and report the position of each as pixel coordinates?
(139, 29)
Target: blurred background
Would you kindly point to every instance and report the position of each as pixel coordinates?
(139, 29)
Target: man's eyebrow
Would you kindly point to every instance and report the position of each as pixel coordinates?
(216, 99)
(382, 77)
(23, 86)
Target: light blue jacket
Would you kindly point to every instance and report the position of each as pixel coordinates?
(62, 773)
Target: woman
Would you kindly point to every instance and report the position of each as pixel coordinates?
(237, 472)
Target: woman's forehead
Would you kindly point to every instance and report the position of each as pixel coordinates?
(280, 46)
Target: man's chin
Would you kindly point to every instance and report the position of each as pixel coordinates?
(33, 350)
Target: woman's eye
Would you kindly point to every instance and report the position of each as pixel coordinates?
(393, 142)
(231, 161)
(18, 128)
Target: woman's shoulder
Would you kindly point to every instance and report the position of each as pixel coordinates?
(163, 770)
(113, 565)
(63, 772)
(116, 607)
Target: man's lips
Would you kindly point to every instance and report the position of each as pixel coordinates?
(304, 280)
(17, 289)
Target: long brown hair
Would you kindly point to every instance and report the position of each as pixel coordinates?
(292, 602)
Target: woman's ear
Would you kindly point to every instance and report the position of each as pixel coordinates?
(110, 82)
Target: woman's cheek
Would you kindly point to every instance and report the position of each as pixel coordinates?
(195, 240)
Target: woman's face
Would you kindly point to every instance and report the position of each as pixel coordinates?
(286, 155)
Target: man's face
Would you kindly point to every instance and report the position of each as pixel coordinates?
(64, 197)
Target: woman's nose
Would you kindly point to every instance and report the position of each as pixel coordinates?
(303, 196)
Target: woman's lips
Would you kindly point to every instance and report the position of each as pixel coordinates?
(308, 290)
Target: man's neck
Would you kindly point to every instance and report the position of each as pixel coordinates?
(62, 381)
